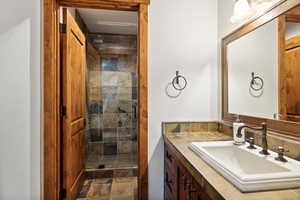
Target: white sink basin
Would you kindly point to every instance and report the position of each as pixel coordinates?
(247, 169)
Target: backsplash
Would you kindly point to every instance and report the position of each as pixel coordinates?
(274, 139)
(177, 127)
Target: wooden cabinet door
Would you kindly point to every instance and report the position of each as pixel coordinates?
(179, 183)
(73, 89)
(289, 71)
(189, 189)
(199, 193)
(199, 196)
(171, 180)
(184, 180)
(193, 190)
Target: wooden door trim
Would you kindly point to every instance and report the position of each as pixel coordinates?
(91, 3)
(51, 102)
(51, 94)
(281, 69)
(127, 5)
(143, 102)
(283, 127)
(293, 15)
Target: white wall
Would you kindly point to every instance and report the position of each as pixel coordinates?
(183, 36)
(20, 100)
(225, 10)
(255, 52)
(292, 30)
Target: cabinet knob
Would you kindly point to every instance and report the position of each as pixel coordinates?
(169, 157)
(184, 182)
(191, 191)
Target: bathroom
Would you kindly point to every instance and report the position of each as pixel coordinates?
(210, 50)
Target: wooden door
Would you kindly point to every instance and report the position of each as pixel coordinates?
(73, 88)
(292, 66)
(289, 68)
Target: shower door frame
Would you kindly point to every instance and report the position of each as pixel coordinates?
(51, 176)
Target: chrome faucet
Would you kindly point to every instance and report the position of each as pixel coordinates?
(263, 130)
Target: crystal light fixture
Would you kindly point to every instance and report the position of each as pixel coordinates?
(242, 11)
(245, 9)
(261, 5)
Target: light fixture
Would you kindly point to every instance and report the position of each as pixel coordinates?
(262, 1)
(245, 9)
(242, 11)
(262, 5)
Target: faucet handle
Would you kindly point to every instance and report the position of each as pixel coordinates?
(251, 143)
(280, 150)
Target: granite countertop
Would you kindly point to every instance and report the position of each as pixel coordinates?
(216, 185)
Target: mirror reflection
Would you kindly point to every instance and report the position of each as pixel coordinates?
(264, 70)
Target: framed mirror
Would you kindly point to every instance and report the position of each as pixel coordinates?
(261, 70)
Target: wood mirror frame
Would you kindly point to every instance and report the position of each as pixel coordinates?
(283, 127)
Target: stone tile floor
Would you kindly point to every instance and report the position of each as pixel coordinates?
(111, 161)
(120, 188)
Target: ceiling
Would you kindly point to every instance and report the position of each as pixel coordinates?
(109, 21)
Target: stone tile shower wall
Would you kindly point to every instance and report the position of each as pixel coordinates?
(112, 102)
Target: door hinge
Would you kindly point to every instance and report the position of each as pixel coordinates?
(85, 123)
(63, 111)
(62, 28)
(63, 194)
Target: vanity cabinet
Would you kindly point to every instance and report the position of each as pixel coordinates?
(171, 176)
(179, 183)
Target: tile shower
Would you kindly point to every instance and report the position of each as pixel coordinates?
(112, 102)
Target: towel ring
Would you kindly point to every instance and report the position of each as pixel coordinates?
(176, 81)
(257, 83)
(173, 96)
